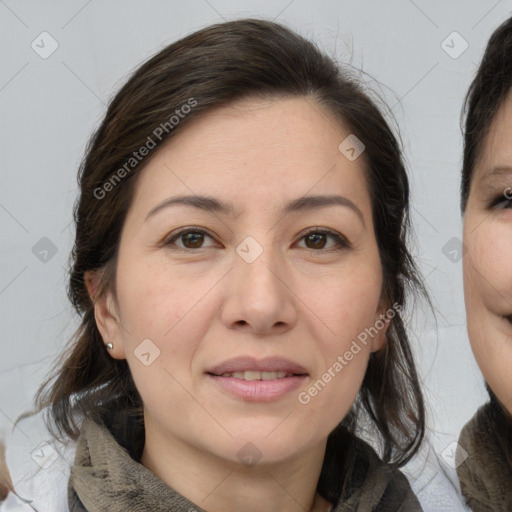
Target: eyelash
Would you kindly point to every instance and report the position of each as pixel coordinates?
(501, 202)
(342, 242)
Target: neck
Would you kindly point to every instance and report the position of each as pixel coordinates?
(221, 485)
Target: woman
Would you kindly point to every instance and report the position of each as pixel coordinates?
(486, 440)
(240, 263)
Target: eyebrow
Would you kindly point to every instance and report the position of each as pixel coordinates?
(211, 204)
(499, 171)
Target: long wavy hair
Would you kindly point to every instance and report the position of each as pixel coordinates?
(216, 66)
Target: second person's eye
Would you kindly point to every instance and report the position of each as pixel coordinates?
(502, 201)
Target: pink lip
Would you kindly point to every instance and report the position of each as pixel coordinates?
(271, 364)
(258, 390)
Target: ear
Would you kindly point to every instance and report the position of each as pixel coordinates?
(106, 315)
(383, 318)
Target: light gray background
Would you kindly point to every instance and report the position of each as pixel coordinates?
(50, 107)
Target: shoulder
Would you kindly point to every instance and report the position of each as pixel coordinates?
(433, 479)
(355, 478)
(485, 448)
(393, 487)
(39, 466)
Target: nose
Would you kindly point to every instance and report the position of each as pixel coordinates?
(259, 297)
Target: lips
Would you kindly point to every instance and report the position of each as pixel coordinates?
(249, 364)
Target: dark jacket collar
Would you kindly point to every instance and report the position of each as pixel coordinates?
(485, 476)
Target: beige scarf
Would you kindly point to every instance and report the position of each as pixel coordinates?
(107, 477)
(486, 475)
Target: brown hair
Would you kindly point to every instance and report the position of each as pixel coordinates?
(5, 477)
(485, 96)
(216, 66)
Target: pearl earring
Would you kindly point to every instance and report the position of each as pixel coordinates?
(109, 345)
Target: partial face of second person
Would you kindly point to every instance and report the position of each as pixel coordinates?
(488, 260)
(182, 284)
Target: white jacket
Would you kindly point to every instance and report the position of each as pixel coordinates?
(40, 468)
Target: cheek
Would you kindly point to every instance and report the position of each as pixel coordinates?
(176, 324)
(500, 257)
(170, 312)
(353, 299)
(350, 309)
(156, 298)
(344, 351)
(488, 296)
(488, 267)
(331, 394)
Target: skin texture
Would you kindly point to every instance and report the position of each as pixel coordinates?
(300, 300)
(488, 257)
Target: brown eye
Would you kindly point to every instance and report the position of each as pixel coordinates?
(318, 239)
(192, 240)
(189, 239)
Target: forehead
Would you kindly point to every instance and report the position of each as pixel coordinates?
(256, 154)
(282, 127)
(497, 147)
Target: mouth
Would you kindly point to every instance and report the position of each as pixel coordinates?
(255, 380)
(256, 375)
(249, 368)
(253, 386)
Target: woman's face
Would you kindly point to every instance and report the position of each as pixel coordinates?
(488, 258)
(272, 255)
